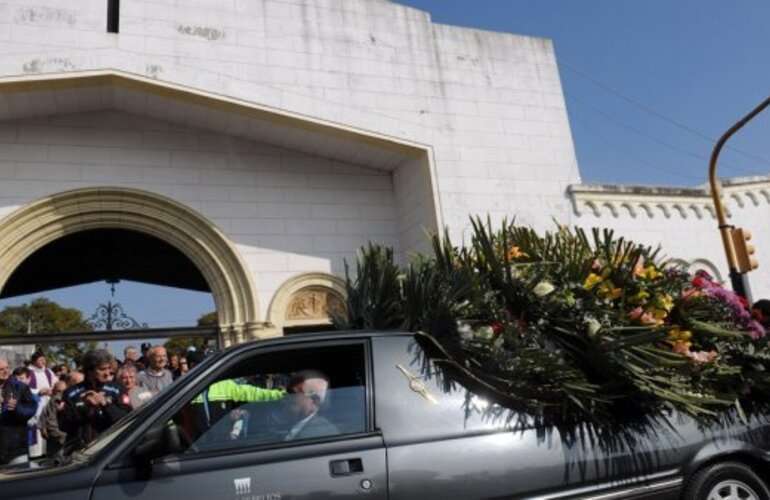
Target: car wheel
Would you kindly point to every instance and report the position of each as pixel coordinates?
(726, 481)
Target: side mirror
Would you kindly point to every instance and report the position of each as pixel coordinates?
(159, 441)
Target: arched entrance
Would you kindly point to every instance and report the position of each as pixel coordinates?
(83, 211)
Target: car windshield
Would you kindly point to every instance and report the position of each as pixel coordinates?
(109, 436)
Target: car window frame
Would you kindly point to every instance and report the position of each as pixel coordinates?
(186, 394)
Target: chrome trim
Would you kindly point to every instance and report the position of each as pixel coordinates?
(648, 488)
(644, 485)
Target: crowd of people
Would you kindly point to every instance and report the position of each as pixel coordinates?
(43, 409)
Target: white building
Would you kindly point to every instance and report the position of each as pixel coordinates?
(264, 141)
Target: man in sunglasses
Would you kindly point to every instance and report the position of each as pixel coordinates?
(308, 393)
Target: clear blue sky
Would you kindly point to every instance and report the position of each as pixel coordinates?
(700, 63)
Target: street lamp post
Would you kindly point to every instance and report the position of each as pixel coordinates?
(737, 278)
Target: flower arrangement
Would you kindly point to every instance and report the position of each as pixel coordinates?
(570, 327)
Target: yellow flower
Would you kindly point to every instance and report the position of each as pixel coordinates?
(639, 298)
(651, 273)
(639, 267)
(609, 291)
(591, 281)
(665, 302)
(679, 336)
(658, 313)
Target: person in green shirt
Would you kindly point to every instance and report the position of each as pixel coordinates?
(218, 411)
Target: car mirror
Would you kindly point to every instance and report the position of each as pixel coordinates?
(159, 441)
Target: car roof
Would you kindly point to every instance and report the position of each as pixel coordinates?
(319, 336)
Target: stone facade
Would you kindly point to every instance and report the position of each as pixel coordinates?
(683, 221)
(300, 130)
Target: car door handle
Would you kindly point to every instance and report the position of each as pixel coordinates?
(346, 467)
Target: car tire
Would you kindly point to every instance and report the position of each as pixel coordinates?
(725, 481)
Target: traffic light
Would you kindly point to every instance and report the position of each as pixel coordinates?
(743, 251)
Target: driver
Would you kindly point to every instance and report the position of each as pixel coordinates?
(93, 405)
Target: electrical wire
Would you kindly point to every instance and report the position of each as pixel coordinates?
(655, 112)
(584, 124)
(668, 145)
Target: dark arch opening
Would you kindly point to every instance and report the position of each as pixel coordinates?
(104, 255)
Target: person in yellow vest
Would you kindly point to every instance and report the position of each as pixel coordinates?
(222, 400)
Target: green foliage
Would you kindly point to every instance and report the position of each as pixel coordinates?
(569, 327)
(374, 295)
(42, 315)
(209, 319)
(180, 345)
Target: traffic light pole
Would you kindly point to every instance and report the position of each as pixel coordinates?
(738, 279)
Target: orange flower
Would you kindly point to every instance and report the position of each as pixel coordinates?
(609, 291)
(515, 253)
(690, 293)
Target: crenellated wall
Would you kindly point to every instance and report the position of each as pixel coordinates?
(683, 220)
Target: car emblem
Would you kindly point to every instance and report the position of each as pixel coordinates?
(417, 385)
(242, 486)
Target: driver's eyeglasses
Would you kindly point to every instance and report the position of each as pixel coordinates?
(310, 395)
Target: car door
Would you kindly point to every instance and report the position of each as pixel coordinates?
(447, 442)
(247, 446)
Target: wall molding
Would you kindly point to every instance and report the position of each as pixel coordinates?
(615, 200)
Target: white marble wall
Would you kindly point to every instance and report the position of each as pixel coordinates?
(489, 104)
(287, 212)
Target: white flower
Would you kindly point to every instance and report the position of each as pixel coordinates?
(499, 341)
(465, 330)
(485, 332)
(592, 326)
(543, 288)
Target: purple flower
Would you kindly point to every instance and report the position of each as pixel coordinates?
(757, 330)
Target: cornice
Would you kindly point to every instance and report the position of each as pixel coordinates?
(616, 200)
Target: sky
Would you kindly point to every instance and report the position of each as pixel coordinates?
(649, 86)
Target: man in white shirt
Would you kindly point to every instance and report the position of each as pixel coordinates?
(155, 377)
(41, 381)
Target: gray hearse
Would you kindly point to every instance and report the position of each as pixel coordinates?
(395, 430)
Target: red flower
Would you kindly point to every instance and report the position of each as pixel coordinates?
(496, 327)
(700, 282)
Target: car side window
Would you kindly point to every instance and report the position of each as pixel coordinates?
(281, 396)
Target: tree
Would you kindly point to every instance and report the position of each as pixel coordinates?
(42, 315)
(180, 345)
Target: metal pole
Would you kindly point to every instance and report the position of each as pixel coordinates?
(736, 278)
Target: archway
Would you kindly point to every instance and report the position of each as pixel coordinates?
(41, 223)
(306, 302)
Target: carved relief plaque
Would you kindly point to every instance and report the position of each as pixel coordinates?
(314, 303)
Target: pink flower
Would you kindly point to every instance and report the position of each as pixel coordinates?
(644, 317)
(649, 319)
(703, 357)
